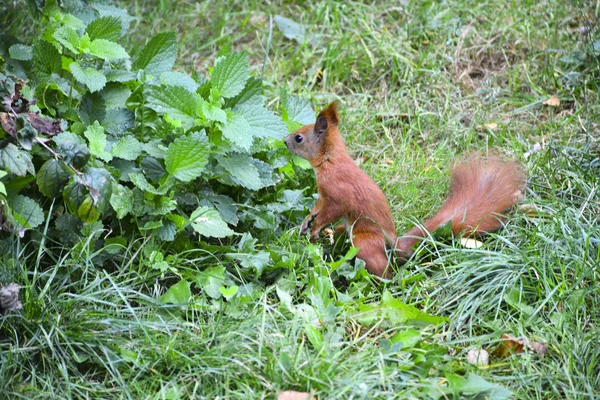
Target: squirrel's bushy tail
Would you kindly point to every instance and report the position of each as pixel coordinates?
(480, 191)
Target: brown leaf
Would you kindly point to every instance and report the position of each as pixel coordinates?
(512, 345)
(293, 395)
(9, 123)
(44, 125)
(552, 101)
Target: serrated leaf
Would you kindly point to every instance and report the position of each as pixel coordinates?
(26, 212)
(45, 59)
(172, 78)
(299, 110)
(108, 28)
(178, 102)
(251, 93)
(208, 222)
(90, 77)
(238, 131)
(262, 122)
(167, 231)
(97, 139)
(230, 74)
(242, 170)
(68, 37)
(121, 200)
(52, 178)
(119, 75)
(213, 113)
(178, 294)
(158, 55)
(139, 180)
(118, 120)
(107, 50)
(152, 168)
(127, 148)
(15, 160)
(187, 156)
(20, 52)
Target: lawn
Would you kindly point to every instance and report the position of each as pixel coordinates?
(419, 85)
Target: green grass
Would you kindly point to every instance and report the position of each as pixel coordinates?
(420, 85)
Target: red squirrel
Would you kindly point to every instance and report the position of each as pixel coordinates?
(480, 191)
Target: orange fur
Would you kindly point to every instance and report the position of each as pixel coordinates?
(480, 191)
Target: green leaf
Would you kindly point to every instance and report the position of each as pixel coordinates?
(121, 200)
(250, 95)
(230, 74)
(178, 102)
(118, 120)
(52, 178)
(178, 294)
(107, 50)
(187, 156)
(46, 59)
(229, 292)
(211, 280)
(68, 37)
(74, 194)
(20, 52)
(291, 29)
(95, 135)
(299, 110)
(158, 55)
(15, 160)
(98, 182)
(238, 131)
(90, 77)
(2, 187)
(26, 212)
(72, 148)
(139, 180)
(213, 113)
(87, 212)
(242, 170)
(395, 312)
(172, 78)
(262, 122)
(127, 148)
(208, 222)
(108, 28)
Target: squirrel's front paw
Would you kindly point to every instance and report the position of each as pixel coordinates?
(307, 224)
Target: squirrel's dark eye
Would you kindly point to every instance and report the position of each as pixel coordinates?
(299, 138)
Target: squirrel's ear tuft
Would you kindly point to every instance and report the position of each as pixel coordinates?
(327, 117)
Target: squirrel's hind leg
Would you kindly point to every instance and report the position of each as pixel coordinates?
(372, 252)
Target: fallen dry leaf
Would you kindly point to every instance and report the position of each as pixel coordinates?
(329, 233)
(478, 357)
(529, 209)
(9, 298)
(470, 243)
(293, 395)
(512, 345)
(552, 101)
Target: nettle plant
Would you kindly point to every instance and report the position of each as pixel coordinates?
(94, 141)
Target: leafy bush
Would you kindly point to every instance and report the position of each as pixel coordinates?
(93, 140)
